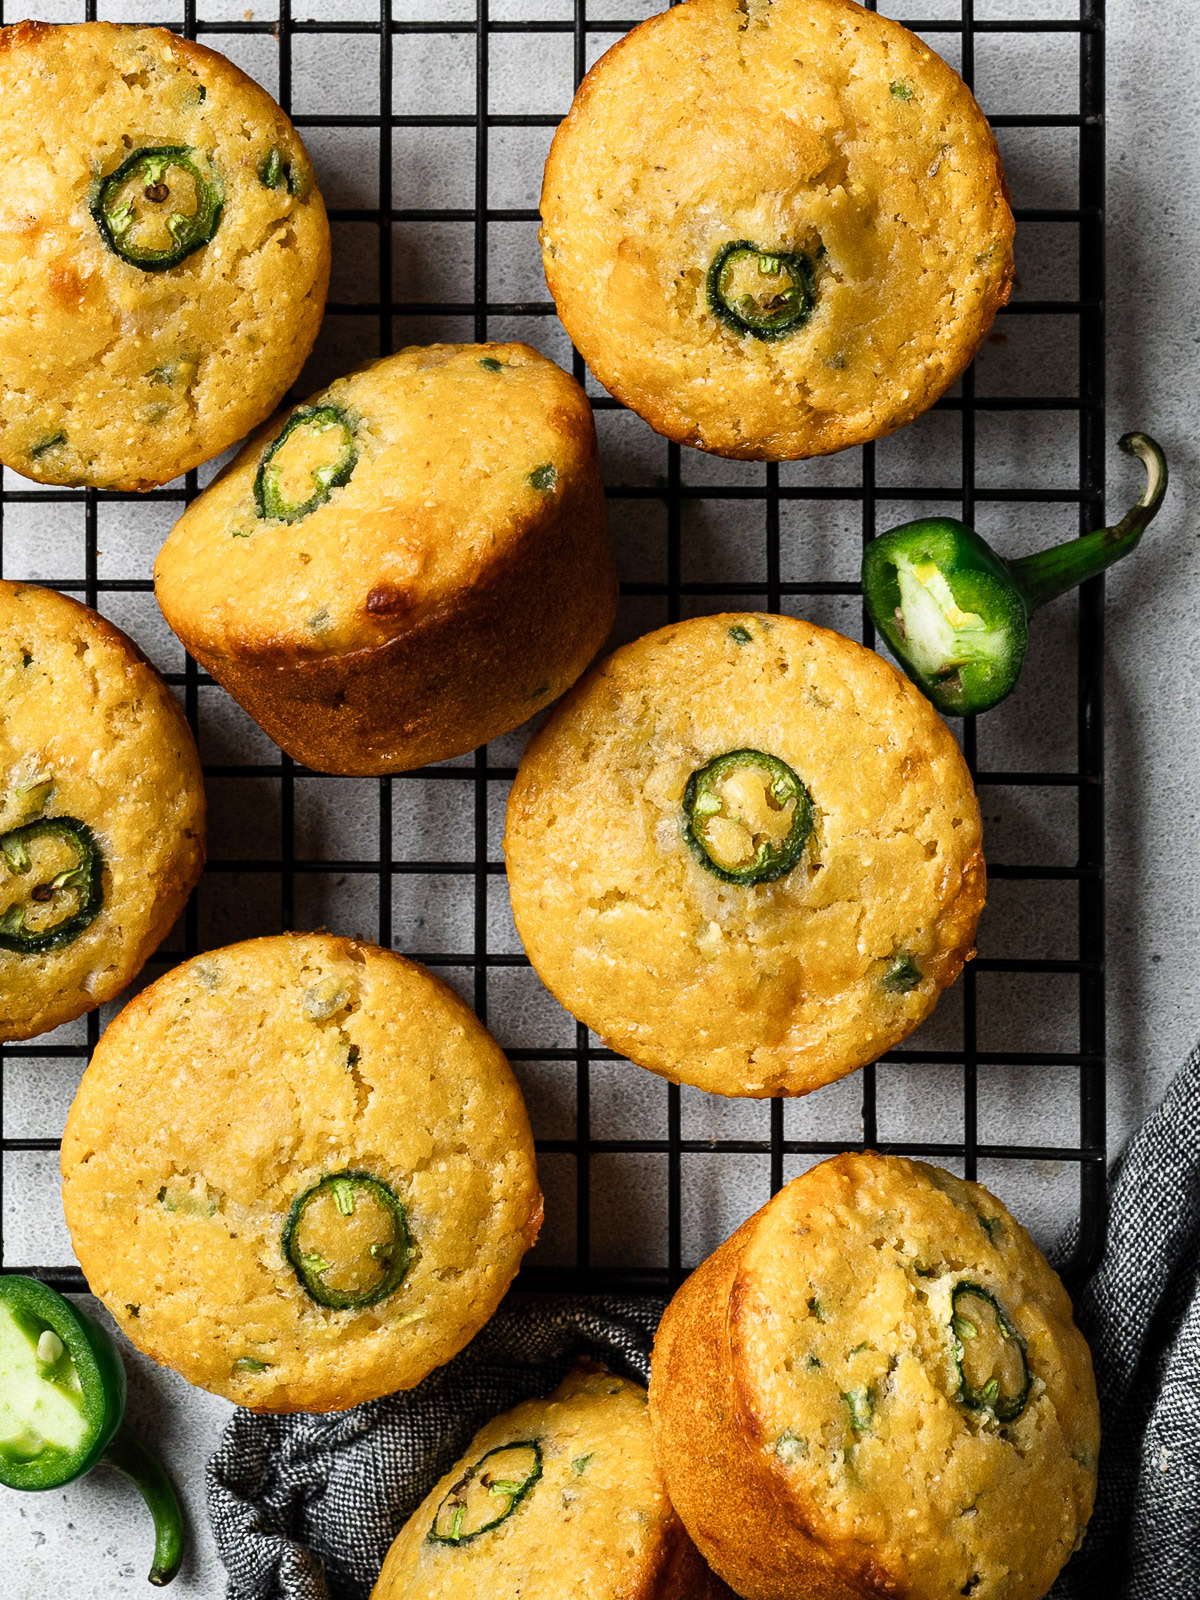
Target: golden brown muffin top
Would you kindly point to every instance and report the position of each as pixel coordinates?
(863, 1337)
(745, 988)
(443, 456)
(124, 375)
(88, 732)
(579, 1507)
(809, 128)
(223, 1095)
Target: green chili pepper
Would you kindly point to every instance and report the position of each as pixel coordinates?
(314, 454)
(62, 1401)
(766, 293)
(993, 1372)
(747, 817)
(59, 907)
(485, 1496)
(158, 206)
(359, 1221)
(956, 615)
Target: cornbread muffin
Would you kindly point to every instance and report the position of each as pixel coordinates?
(775, 228)
(101, 810)
(875, 1388)
(558, 1496)
(300, 1172)
(746, 852)
(411, 563)
(164, 254)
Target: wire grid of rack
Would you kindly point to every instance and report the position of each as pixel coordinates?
(777, 1138)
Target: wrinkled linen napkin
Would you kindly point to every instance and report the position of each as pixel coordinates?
(305, 1507)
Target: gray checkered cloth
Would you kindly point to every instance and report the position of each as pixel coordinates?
(304, 1507)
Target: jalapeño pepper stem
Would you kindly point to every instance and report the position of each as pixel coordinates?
(128, 1455)
(956, 615)
(1052, 572)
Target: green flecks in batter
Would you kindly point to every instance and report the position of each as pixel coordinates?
(34, 795)
(813, 1363)
(790, 1447)
(490, 364)
(45, 446)
(239, 533)
(353, 1056)
(816, 1308)
(320, 621)
(993, 1227)
(580, 1463)
(273, 170)
(860, 1403)
(900, 90)
(543, 478)
(740, 635)
(902, 974)
(250, 1364)
(177, 373)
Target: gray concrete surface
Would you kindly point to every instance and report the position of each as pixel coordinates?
(92, 1540)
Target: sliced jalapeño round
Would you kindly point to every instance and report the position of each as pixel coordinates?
(990, 1354)
(162, 203)
(766, 293)
(314, 454)
(488, 1493)
(347, 1240)
(65, 892)
(747, 817)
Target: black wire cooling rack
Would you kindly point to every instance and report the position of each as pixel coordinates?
(621, 1189)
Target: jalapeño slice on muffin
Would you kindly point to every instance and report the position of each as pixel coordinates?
(56, 868)
(766, 293)
(314, 454)
(488, 1493)
(747, 817)
(162, 203)
(347, 1240)
(990, 1354)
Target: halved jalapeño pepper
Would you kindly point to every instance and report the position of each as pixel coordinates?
(747, 817)
(62, 1400)
(348, 1242)
(162, 203)
(313, 455)
(956, 615)
(51, 884)
(765, 293)
(993, 1372)
(488, 1493)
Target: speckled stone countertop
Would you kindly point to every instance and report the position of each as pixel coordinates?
(92, 1539)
